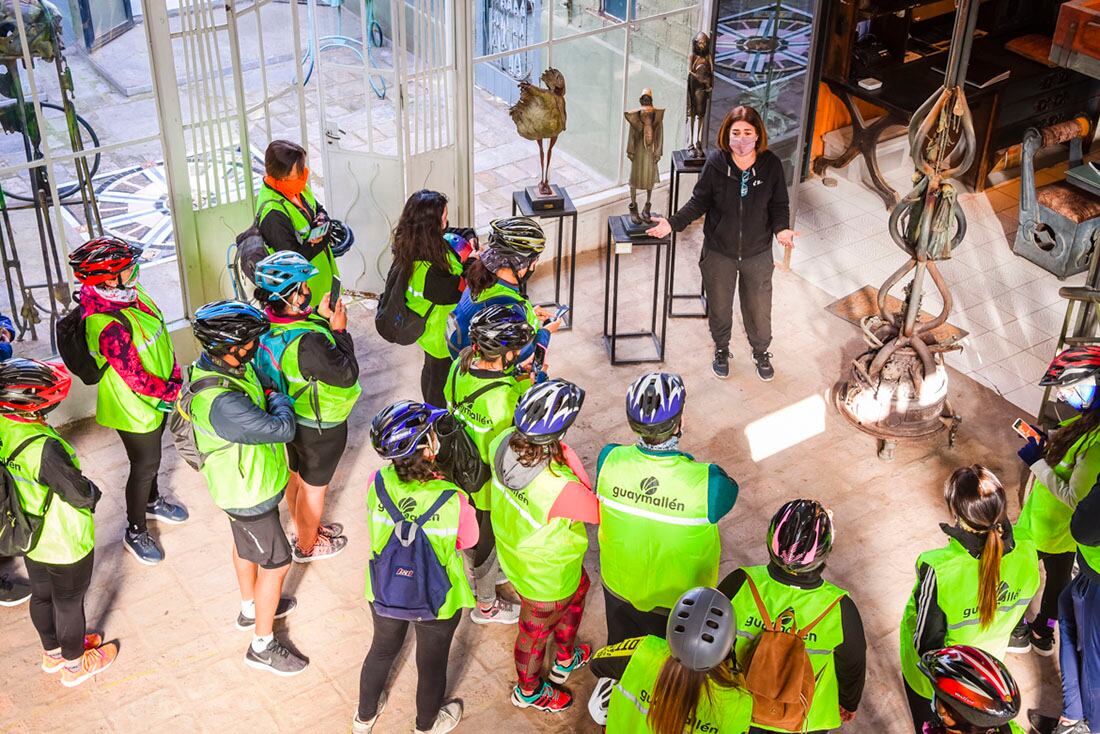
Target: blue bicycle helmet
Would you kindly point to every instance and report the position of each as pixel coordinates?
(221, 325)
(546, 411)
(402, 428)
(654, 405)
(281, 273)
(340, 237)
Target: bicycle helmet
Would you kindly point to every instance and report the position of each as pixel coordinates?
(99, 260)
(519, 239)
(401, 429)
(31, 386)
(654, 404)
(800, 536)
(340, 237)
(701, 628)
(546, 411)
(1072, 365)
(221, 325)
(281, 273)
(973, 684)
(499, 329)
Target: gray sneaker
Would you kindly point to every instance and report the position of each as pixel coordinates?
(275, 659)
(325, 547)
(287, 604)
(162, 510)
(13, 591)
(358, 726)
(446, 720)
(144, 547)
(1078, 727)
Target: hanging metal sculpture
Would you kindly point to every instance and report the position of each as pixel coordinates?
(898, 387)
(540, 114)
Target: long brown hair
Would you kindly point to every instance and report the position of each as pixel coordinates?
(1062, 440)
(529, 453)
(742, 113)
(678, 690)
(975, 496)
(419, 232)
(415, 468)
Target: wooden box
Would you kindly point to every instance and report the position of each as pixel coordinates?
(1077, 37)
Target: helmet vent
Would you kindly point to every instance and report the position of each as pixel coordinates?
(707, 637)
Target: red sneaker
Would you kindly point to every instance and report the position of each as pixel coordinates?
(547, 698)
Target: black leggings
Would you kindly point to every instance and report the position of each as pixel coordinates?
(143, 451)
(433, 378)
(624, 621)
(1059, 568)
(920, 708)
(486, 540)
(433, 647)
(57, 603)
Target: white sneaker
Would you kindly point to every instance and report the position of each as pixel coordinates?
(446, 720)
(502, 612)
(358, 726)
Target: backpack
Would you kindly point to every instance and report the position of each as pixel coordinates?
(72, 344)
(19, 530)
(458, 458)
(407, 578)
(779, 674)
(241, 258)
(269, 362)
(394, 320)
(182, 426)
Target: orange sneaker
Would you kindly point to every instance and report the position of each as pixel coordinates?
(54, 663)
(93, 662)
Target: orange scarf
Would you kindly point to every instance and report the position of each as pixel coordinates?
(291, 188)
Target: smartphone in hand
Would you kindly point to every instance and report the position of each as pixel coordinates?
(319, 231)
(1027, 431)
(558, 316)
(334, 294)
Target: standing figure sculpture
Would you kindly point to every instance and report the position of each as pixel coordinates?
(644, 146)
(700, 84)
(540, 113)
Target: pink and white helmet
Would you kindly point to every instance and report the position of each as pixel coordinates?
(800, 536)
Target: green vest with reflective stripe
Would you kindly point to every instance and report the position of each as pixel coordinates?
(656, 540)
(68, 533)
(117, 406)
(499, 290)
(542, 557)
(720, 710)
(1044, 516)
(1091, 555)
(957, 578)
(486, 417)
(821, 642)
(434, 339)
(317, 404)
(268, 199)
(239, 476)
(414, 498)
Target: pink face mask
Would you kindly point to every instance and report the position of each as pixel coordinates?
(742, 146)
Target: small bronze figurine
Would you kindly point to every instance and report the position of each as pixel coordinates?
(643, 148)
(700, 83)
(540, 113)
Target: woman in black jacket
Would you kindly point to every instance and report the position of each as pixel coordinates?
(743, 193)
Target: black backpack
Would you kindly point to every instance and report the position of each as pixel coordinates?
(458, 458)
(72, 345)
(182, 426)
(241, 258)
(395, 321)
(19, 530)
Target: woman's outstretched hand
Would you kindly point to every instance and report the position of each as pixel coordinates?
(661, 229)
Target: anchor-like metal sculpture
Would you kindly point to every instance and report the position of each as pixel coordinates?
(898, 387)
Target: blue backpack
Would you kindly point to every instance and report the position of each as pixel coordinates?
(407, 578)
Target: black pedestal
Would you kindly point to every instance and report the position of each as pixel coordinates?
(552, 203)
(697, 301)
(616, 235)
(522, 205)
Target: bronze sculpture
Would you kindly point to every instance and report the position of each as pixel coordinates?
(540, 113)
(644, 147)
(700, 84)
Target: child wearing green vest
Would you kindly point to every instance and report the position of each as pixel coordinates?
(240, 424)
(311, 356)
(659, 513)
(402, 434)
(800, 539)
(49, 485)
(483, 388)
(289, 215)
(541, 500)
(973, 692)
(1064, 466)
(682, 680)
(974, 590)
(127, 336)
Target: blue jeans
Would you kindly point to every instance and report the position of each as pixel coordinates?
(1079, 651)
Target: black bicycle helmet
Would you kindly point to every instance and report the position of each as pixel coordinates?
(222, 325)
(546, 411)
(973, 684)
(800, 536)
(654, 405)
(31, 386)
(499, 329)
(518, 238)
(701, 628)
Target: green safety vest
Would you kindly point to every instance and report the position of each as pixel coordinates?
(723, 711)
(543, 558)
(434, 339)
(1045, 517)
(239, 476)
(957, 595)
(441, 530)
(268, 199)
(821, 642)
(499, 290)
(117, 405)
(316, 403)
(68, 533)
(486, 417)
(1090, 554)
(656, 539)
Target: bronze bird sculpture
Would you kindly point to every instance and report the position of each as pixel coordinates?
(540, 113)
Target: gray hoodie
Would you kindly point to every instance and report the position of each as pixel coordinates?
(510, 472)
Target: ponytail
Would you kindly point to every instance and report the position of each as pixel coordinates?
(478, 277)
(466, 359)
(677, 692)
(989, 576)
(976, 498)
